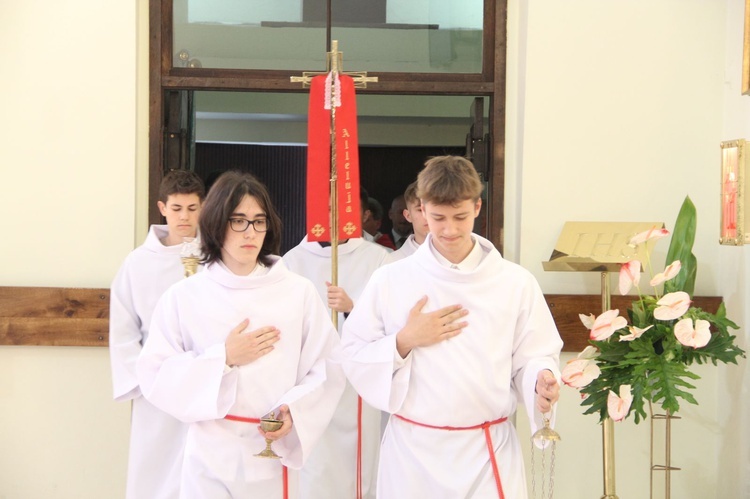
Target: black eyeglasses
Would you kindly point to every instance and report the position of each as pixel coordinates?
(241, 224)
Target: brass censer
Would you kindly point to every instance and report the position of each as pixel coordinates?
(544, 438)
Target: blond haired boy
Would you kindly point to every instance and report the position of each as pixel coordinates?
(450, 341)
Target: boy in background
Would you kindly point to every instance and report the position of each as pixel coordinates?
(156, 439)
(412, 213)
(348, 451)
(401, 228)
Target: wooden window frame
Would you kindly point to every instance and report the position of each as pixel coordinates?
(490, 82)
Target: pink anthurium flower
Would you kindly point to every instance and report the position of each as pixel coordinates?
(587, 320)
(690, 336)
(590, 352)
(635, 332)
(672, 270)
(618, 406)
(630, 275)
(647, 235)
(672, 306)
(578, 373)
(606, 324)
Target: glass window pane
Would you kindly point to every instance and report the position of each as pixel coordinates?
(418, 36)
(255, 34)
(436, 36)
(274, 118)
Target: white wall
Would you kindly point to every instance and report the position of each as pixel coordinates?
(68, 156)
(615, 112)
(734, 276)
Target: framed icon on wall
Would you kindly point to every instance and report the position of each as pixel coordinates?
(734, 168)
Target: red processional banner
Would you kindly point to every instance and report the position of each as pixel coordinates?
(319, 159)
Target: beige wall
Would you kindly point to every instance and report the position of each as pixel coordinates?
(615, 112)
(68, 155)
(734, 278)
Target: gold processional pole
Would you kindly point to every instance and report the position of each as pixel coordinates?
(334, 65)
(599, 247)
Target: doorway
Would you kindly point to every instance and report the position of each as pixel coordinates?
(266, 134)
(437, 49)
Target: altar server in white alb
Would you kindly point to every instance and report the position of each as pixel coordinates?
(413, 213)
(244, 338)
(156, 438)
(449, 341)
(348, 452)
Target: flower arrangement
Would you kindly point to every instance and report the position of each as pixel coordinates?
(647, 360)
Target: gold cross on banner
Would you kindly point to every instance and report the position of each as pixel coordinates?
(335, 64)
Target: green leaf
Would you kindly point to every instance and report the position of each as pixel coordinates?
(681, 248)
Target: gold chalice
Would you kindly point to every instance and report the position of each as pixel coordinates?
(269, 423)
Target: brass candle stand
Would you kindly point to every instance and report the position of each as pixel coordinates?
(608, 426)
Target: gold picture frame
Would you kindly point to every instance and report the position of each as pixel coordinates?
(735, 163)
(746, 52)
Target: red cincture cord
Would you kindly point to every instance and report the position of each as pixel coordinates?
(490, 448)
(359, 447)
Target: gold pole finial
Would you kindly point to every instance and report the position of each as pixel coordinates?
(335, 63)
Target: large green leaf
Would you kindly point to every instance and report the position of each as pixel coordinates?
(681, 248)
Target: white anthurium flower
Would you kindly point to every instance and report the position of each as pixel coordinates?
(618, 406)
(647, 235)
(630, 275)
(690, 336)
(635, 332)
(578, 373)
(669, 273)
(587, 320)
(606, 324)
(590, 352)
(672, 305)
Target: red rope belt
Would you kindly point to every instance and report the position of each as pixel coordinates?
(284, 474)
(490, 448)
(359, 447)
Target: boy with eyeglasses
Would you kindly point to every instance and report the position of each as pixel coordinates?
(243, 340)
(449, 341)
(156, 439)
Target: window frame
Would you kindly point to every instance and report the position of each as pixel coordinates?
(491, 82)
